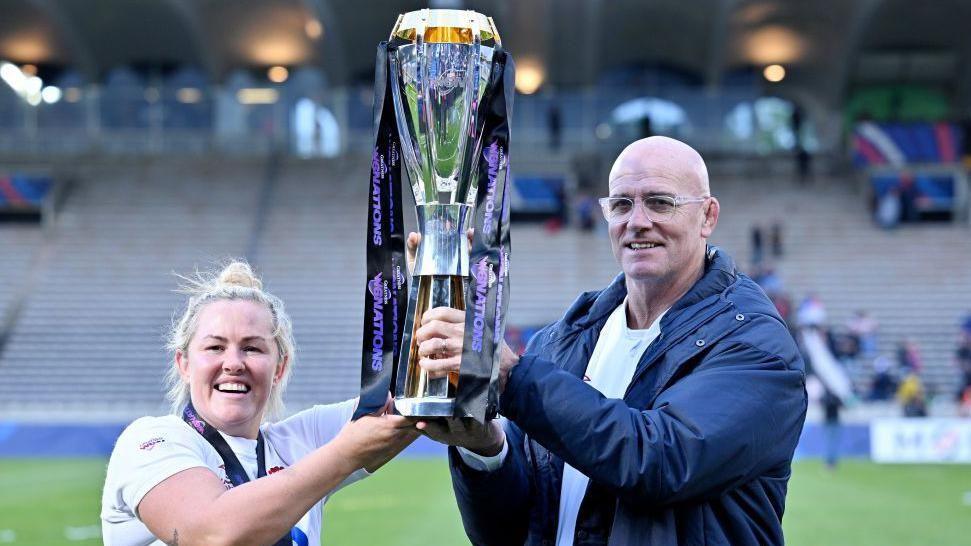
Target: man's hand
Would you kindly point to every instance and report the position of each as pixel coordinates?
(486, 440)
(442, 333)
(507, 360)
(440, 339)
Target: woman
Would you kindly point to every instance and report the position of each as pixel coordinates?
(191, 477)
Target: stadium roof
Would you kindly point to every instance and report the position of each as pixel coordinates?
(825, 45)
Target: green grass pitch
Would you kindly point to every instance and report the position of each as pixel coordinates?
(56, 501)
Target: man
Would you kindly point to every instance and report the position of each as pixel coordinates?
(664, 409)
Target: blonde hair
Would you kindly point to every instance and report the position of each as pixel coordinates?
(235, 281)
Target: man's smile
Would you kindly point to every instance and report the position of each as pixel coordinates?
(642, 245)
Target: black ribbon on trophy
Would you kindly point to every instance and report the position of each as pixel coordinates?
(487, 286)
(488, 298)
(386, 300)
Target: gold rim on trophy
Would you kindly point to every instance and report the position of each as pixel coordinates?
(441, 26)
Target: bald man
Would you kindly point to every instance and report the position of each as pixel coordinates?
(662, 410)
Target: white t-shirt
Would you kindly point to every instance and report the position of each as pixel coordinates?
(152, 449)
(610, 370)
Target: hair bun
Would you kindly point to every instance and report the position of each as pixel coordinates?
(239, 274)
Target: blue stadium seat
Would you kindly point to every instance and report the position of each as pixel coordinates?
(21, 191)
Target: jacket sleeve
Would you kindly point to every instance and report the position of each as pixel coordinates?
(738, 414)
(494, 505)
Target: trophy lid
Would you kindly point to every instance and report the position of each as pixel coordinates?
(439, 26)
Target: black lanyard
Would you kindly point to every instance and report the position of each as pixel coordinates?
(234, 469)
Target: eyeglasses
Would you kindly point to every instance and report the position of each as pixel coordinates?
(660, 208)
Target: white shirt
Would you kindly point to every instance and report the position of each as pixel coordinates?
(610, 370)
(153, 449)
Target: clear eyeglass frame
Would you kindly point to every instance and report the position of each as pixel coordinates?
(659, 208)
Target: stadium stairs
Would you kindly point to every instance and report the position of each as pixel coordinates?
(915, 280)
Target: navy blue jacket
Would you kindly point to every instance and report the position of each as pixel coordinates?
(697, 452)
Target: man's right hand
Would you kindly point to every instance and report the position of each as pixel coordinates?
(484, 439)
(440, 338)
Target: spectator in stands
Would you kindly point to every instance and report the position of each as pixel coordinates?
(863, 327)
(831, 423)
(908, 197)
(555, 126)
(811, 312)
(783, 306)
(757, 247)
(804, 162)
(586, 211)
(641, 416)
(889, 209)
(646, 126)
(768, 279)
(965, 127)
(964, 403)
(215, 471)
(963, 362)
(775, 239)
(844, 345)
(803, 157)
(910, 394)
(908, 356)
(884, 381)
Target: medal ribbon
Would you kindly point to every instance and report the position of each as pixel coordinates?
(234, 469)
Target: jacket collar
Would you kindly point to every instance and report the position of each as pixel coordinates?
(720, 273)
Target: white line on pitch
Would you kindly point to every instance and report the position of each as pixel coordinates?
(85, 532)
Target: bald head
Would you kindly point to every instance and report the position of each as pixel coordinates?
(660, 156)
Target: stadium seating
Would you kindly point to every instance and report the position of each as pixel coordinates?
(87, 340)
(924, 155)
(538, 197)
(19, 245)
(23, 196)
(89, 333)
(898, 144)
(915, 282)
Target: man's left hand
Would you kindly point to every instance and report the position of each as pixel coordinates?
(485, 439)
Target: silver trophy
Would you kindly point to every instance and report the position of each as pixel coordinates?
(439, 73)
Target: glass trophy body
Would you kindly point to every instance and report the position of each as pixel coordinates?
(440, 68)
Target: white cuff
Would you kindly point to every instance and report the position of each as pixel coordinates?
(484, 463)
(355, 476)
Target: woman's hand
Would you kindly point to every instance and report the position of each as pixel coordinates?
(194, 506)
(373, 440)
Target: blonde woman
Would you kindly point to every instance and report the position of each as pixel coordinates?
(219, 470)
